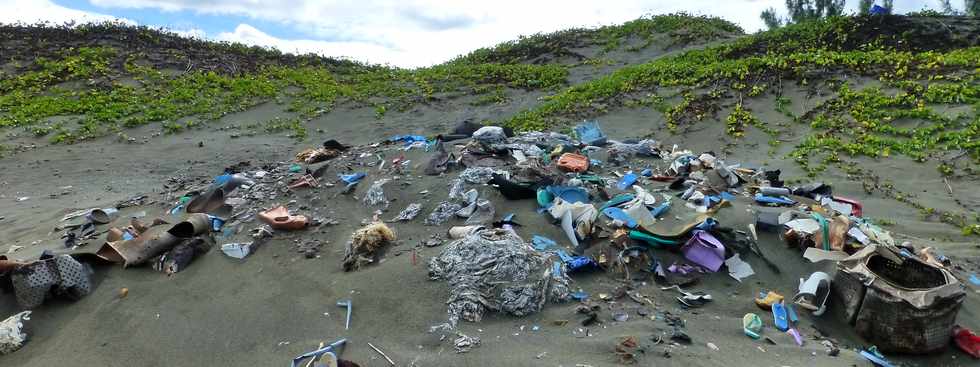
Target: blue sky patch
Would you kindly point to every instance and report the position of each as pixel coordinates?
(183, 20)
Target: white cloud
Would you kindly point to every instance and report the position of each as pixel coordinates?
(34, 11)
(412, 32)
(424, 32)
(190, 33)
(360, 51)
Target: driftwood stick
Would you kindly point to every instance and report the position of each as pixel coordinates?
(381, 353)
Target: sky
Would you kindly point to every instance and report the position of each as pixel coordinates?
(404, 33)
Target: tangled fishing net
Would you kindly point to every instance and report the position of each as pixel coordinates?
(496, 270)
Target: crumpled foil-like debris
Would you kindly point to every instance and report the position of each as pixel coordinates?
(409, 213)
(483, 214)
(464, 343)
(442, 213)
(619, 151)
(496, 270)
(549, 139)
(477, 175)
(457, 190)
(376, 194)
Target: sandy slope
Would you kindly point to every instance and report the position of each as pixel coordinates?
(276, 304)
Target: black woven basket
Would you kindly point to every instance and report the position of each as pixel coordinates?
(847, 292)
(897, 327)
(893, 324)
(910, 274)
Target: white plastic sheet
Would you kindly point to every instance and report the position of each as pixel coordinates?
(738, 269)
(11, 336)
(237, 250)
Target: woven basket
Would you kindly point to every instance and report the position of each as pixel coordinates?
(847, 291)
(878, 297)
(897, 327)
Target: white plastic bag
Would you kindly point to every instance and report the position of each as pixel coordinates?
(11, 337)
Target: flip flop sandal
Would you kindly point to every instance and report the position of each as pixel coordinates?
(690, 299)
(779, 316)
(651, 239)
(791, 312)
(872, 355)
(695, 301)
(813, 293)
(766, 300)
(752, 325)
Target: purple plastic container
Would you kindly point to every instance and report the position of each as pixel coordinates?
(705, 250)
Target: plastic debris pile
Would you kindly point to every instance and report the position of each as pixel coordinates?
(495, 270)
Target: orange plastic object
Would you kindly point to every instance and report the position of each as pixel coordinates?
(768, 300)
(9, 265)
(572, 162)
(305, 181)
(279, 218)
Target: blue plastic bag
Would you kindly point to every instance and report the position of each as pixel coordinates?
(407, 139)
(575, 263)
(628, 180)
(571, 194)
(589, 133)
(352, 178)
(542, 243)
(580, 263)
(781, 200)
(221, 179)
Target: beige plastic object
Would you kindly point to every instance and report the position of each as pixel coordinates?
(463, 231)
(279, 218)
(114, 234)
